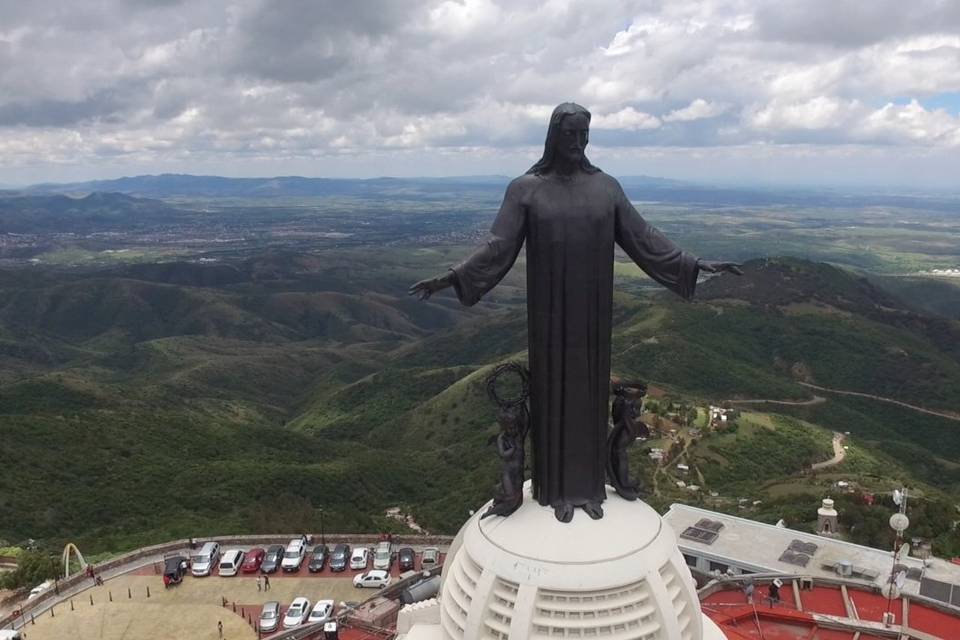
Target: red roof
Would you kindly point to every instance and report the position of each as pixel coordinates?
(860, 610)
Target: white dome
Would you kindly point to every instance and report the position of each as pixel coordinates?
(530, 576)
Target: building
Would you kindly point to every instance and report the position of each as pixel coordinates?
(718, 543)
(827, 518)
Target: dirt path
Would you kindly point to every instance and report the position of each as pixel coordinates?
(792, 403)
(839, 453)
(941, 414)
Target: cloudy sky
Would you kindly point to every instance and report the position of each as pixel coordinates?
(786, 91)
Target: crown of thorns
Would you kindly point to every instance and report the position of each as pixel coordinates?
(503, 369)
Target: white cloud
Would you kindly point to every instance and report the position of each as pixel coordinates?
(822, 112)
(910, 123)
(699, 109)
(628, 118)
(850, 121)
(297, 80)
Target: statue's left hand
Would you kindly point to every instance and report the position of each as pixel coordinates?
(426, 288)
(712, 266)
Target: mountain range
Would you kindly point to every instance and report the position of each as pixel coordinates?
(640, 188)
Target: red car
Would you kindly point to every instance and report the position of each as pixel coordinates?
(251, 562)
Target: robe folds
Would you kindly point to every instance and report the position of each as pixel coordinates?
(570, 227)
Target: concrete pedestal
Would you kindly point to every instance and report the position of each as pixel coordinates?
(531, 577)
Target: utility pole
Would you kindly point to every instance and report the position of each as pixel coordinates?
(323, 538)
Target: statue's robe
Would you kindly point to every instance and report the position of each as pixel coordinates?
(570, 227)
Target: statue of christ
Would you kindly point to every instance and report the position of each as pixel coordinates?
(570, 215)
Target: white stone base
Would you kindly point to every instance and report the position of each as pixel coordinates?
(529, 576)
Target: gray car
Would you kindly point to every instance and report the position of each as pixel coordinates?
(270, 616)
(272, 559)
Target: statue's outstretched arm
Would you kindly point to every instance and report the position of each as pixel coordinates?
(487, 266)
(659, 258)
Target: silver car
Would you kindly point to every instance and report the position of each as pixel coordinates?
(430, 558)
(270, 616)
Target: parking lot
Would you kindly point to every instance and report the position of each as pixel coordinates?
(190, 609)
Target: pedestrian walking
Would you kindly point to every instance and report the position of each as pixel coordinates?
(266, 583)
(220, 629)
(748, 590)
(259, 584)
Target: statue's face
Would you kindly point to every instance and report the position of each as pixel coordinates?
(574, 135)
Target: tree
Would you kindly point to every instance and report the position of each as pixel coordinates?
(33, 567)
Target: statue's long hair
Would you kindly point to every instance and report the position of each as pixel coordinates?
(545, 163)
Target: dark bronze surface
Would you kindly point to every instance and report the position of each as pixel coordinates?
(570, 215)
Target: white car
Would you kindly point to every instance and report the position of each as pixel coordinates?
(297, 613)
(230, 562)
(430, 558)
(293, 555)
(360, 558)
(322, 611)
(376, 579)
(383, 556)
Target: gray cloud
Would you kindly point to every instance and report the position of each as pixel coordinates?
(104, 105)
(307, 40)
(284, 82)
(852, 23)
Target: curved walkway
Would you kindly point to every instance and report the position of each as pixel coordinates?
(940, 414)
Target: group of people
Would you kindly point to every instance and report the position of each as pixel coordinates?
(97, 580)
(773, 593)
(263, 585)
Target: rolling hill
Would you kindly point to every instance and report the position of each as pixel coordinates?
(144, 402)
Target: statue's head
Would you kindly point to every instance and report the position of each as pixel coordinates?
(508, 418)
(567, 138)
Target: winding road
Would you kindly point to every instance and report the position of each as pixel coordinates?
(941, 414)
(792, 403)
(839, 453)
(820, 399)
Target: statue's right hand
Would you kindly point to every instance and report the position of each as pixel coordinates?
(426, 288)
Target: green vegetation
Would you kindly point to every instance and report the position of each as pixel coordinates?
(145, 402)
(748, 458)
(33, 567)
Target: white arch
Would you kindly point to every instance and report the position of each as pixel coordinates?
(66, 559)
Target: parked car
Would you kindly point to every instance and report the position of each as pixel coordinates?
(297, 613)
(318, 558)
(407, 559)
(294, 554)
(270, 616)
(376, 578)
(430, 558)
(340, 557)
(322, 611)
(174, 568)
(252, 561)
(230, 562)
(383, 556)
(272, 558)
(360, 558)
(202, 563)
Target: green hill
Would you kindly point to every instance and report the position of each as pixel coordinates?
(150, 401)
